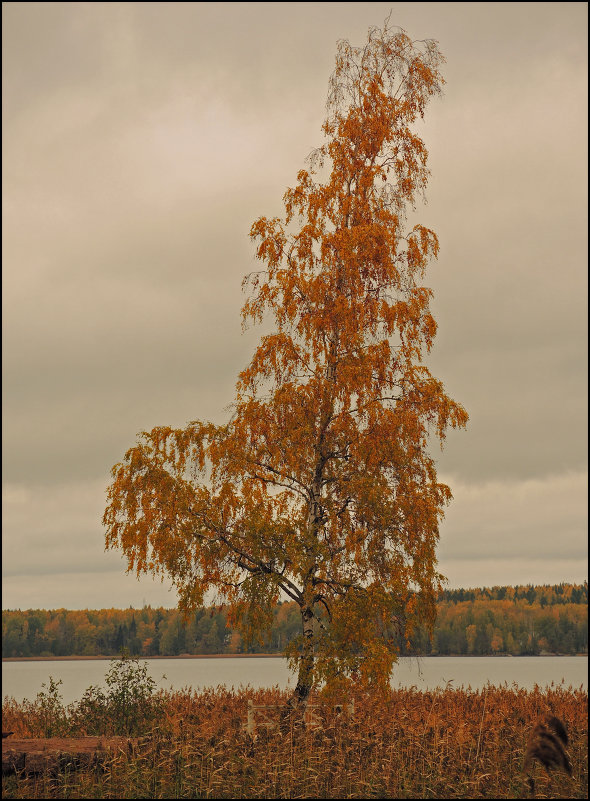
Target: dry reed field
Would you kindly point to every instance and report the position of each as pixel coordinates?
(444, 744)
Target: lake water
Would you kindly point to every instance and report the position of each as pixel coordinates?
(24, 679)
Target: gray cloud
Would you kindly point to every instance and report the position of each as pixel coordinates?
(496, 519)
(140, 143)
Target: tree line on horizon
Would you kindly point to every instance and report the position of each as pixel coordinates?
(521, 620)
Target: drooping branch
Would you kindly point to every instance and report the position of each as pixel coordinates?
(245, 561)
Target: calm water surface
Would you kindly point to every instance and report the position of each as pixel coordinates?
(24, 679)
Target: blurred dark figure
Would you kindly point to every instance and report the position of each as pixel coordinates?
(547, 745)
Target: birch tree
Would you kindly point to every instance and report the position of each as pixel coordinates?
(321, 487)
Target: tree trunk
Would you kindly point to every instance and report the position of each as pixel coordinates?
(298, 700)
(305, 676)
(295, 707)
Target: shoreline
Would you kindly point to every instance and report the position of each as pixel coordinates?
(262, 656)
(141, 658)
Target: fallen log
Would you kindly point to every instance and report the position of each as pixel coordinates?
(54, 754)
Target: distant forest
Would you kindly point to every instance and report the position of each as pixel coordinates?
(522, 620)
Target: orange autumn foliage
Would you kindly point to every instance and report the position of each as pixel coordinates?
(321, 486)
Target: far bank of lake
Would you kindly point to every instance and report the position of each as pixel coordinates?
(103, 657)
(23, 678)
(141, 658)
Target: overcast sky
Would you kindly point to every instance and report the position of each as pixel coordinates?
(140, 142)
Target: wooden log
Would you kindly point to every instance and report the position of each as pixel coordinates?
(57, 753)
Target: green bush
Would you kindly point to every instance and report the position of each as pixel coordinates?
(131, 703)
(51, 715)
(130, 706)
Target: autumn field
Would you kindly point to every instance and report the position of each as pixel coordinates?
(444, 744)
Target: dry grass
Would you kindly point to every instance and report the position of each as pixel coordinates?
(444, 744)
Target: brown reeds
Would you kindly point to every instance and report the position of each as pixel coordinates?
(546, 745)
(446, 744)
